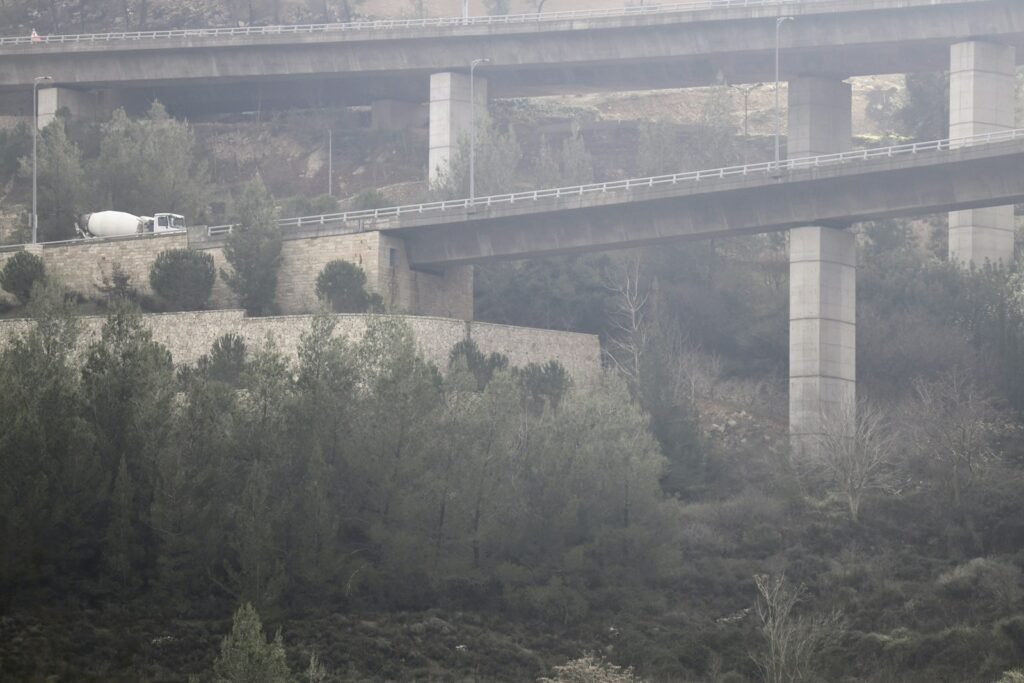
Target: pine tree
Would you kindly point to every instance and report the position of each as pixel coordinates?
(245, 654)
(62, 181)
(254, 251)
(121, 539)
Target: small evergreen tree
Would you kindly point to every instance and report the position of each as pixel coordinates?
(20, 273)
(184, 278)
(62, 181)
(245, 654)
(254, 251)
(482, 366)
(118, 285)
(544, 385)
(226, 360)
(342, 286)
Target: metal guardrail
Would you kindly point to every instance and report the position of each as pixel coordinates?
(364, 220)
(389, 24)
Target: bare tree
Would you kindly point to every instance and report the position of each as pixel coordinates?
(791, 642)
(698, 369)
(856, 452)
(630, 328)
(954, 428)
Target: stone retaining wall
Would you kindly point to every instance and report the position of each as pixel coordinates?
(83, 265)
(190, 335)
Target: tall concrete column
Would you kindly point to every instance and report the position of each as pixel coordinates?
(982, 91)
(822, 279)
(450, 117)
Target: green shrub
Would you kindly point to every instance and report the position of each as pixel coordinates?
(20, 272)
(309, 206)
(342, 286)
(184, 278)
(370, 199)
(118, 285)
(982, 578)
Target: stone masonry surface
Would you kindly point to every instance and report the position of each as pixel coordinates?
(190, 335)
(83, 265)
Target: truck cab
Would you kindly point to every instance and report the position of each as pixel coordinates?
(168, 222)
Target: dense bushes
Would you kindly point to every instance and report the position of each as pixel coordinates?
(174, 479)
(184, 278)
(20, 273)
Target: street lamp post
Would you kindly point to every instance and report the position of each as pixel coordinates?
(746, 90)
(35, 151)
(778, 115)
(330, 162)
(472, 125)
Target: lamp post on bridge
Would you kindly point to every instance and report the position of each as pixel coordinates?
(778, 115)
(746, 90)
(35, 158)
(472, 125)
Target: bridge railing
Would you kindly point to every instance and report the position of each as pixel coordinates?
(389, 24)
(365, 219)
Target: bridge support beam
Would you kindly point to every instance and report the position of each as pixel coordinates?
(451, 121)
(982, 92)
(451, 117)
(822, 281)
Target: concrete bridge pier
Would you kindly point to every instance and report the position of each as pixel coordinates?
(822, 280)
(451, 116)
(81, 104)
(982, 93)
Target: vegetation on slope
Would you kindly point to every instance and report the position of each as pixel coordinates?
(494, 523)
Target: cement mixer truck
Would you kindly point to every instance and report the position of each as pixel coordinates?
(119, 224)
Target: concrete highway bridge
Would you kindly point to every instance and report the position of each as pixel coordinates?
(828, 191)
(699, 42)
(397, 65)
